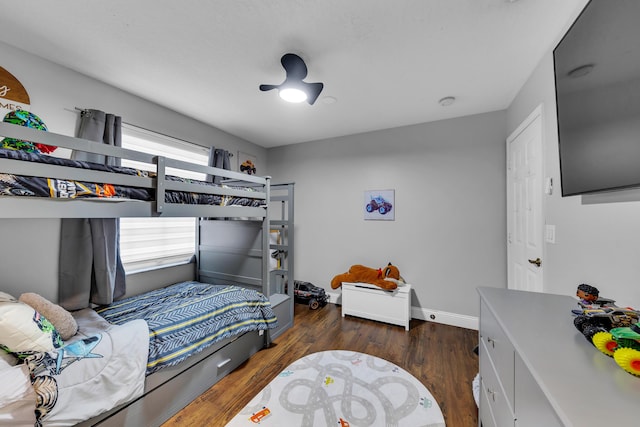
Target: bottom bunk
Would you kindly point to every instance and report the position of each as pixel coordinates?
(168, 391)
(137, 361)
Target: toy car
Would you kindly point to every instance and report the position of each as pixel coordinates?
(379, 204)
(260, 415)
(627, 351)
(306, 292)
(599, 303)
(248, 167)
(623, 344)
(603, 319)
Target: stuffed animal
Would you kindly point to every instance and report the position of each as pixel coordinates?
(386, 278)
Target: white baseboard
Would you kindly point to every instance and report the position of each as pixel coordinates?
(335, 297)
(452, 319)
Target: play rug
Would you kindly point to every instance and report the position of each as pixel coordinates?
(342, 388)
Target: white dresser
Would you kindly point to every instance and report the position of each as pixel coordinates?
(537, 370)
(372, 302)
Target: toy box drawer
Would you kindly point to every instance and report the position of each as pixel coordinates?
(374, 303)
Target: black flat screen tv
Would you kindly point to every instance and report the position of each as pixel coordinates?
(597, 77)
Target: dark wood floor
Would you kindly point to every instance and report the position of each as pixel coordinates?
(440, 356)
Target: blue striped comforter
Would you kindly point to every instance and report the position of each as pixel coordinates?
(187, 317)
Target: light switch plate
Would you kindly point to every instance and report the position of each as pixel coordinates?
(550, 233)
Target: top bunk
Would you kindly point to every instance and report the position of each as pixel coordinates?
(43, 186)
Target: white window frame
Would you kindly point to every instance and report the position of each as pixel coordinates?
(149, 243)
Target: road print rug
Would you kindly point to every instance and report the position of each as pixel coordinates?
(342, 389)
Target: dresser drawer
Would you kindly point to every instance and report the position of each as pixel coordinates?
(499, 349)
(492, 394)
(485, 416)
(532, 406)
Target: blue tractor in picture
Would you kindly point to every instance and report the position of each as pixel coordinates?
(379, 204)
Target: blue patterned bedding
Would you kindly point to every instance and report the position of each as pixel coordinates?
(187, 317)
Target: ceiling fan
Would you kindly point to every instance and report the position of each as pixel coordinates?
(294, 89)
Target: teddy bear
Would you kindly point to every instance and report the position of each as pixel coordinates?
(386, 278)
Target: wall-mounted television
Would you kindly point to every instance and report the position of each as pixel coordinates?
(597, 77)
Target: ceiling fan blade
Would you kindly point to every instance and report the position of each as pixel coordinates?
(296, 71)
(313, 91)
(294, 66)
(268, 87)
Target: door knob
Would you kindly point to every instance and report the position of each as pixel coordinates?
(536, 261)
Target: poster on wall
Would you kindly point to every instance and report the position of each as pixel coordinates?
(13, 96)
(247, 163)
(15, 109)
(379, 205)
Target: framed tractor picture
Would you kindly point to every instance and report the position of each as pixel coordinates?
(246, 163)
(379, 205)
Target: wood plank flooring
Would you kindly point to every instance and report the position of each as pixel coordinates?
(440, 356)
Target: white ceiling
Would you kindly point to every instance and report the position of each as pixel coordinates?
(386, 63)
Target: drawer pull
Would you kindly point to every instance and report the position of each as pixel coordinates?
(492, 342)
(491, 393)
(224, 362)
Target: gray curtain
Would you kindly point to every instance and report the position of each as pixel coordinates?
(218, 158)
(91, 270)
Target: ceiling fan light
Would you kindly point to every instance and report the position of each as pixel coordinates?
(292, 94)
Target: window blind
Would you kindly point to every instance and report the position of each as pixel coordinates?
(147, 243)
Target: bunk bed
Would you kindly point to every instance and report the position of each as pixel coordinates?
(232, 249)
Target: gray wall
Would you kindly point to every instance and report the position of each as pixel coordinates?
(449, 177)
(596, 243)
(30, 247)
(450, 224)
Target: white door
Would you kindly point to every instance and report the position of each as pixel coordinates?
(525, 264)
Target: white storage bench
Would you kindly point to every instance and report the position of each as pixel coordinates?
(372, 302)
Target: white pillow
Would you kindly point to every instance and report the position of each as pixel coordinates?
(4, 363)
(17, 397)
(23, 329)
(7, 359)
(6, 297)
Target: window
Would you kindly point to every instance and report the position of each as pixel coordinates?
(152, 242)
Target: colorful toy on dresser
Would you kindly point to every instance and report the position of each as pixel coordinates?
(613, 330)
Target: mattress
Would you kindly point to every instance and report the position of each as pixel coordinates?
(19, 185)
(187, 317)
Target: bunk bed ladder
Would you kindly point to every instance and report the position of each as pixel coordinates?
(281, 278)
